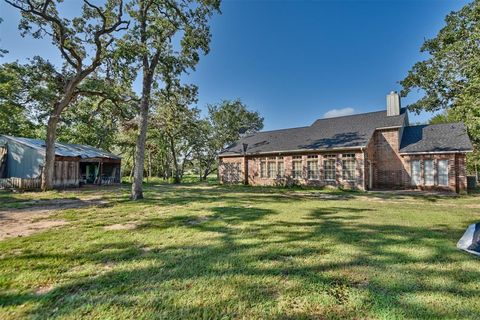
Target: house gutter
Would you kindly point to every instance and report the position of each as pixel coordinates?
(434, 152)
(292, 151)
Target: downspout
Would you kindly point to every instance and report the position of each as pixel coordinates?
(245, 164)
(363, 171)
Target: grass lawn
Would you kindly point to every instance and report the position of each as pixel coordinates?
(207, 251)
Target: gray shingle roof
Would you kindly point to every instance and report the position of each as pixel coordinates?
(324, 134)
(445, 137)
(66, 149)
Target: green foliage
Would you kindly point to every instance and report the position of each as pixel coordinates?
(27, 92)
(227, 122)
(450, 77)
(231, 120)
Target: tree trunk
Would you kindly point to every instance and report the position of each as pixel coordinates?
(137, 187)
(49, 165)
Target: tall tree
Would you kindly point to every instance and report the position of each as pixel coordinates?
(177, 124)
(450, 77)
(165, 34)
(228, 121)
(83, 43)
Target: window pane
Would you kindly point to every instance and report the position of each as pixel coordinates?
(348, 169)
(415, 172)
(297, 169)
(329, 169)
(263, 169)
(271, 170)
(280, 169)
(443, 172)
(312, 170)
(428, 172)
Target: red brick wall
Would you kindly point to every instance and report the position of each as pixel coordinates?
(390, 169)
(387, 164)
(254, 177)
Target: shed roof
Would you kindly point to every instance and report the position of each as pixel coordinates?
(445, 137)
(324, 134)
(65, 149)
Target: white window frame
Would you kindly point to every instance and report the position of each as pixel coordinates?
(280, 171)
(429, 177)
(312, 174)
(439, 173)
(294, 175)
(349, 158)
(263, 169)
(328, 159)
(416, 176)
(271, 171)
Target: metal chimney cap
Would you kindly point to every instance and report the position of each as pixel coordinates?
(393, 92)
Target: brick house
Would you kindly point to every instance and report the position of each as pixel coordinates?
(376, 150)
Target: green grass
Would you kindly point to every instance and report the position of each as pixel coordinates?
(222, 252)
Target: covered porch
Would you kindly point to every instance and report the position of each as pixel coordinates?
(100, 171)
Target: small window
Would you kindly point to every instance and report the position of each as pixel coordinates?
(312, 169)
(297, 157)
(329, 169)
(348, 168)
(263, 169)
(280, 169)
(297, 169)
(330, 156)
(443, 172)
(415, 167)
(428, 173)
(348, 155)
(271, 170)
(312, 157)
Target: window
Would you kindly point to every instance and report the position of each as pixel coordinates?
(297, 157)
(348, 166)
(263, 169)
(280, 168)
(297, 169)
(415, 167)
(443, 172)
(312, 169)
(428, 172)
(329, 167)
(271, 168)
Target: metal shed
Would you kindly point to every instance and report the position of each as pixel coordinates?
(23, 159)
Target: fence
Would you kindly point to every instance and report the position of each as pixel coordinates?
(20, 183)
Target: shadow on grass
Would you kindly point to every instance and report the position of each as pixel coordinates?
(251, 257)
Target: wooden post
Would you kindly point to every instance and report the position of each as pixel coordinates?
(100, 172)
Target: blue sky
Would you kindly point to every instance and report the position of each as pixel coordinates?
(296, 61)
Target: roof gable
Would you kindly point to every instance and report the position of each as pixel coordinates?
(445, 137)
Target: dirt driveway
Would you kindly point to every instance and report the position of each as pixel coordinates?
(17, 222)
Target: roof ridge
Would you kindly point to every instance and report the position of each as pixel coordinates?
(435, 124)
(357, 114)
(268, 131)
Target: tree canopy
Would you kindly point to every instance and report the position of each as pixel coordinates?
(450, 78)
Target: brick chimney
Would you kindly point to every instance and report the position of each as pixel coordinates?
(393, 104)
